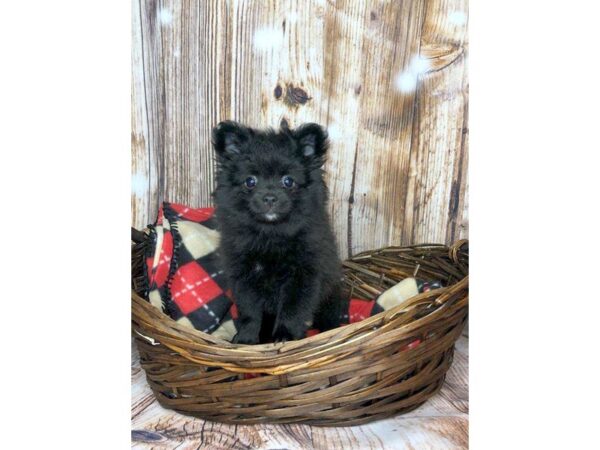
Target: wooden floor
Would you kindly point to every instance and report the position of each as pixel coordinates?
(441, 423)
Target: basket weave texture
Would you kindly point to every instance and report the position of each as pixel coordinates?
(350, 375)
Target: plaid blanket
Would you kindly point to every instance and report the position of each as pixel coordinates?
(186, 281)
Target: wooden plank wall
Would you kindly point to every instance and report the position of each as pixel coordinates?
(388, 79)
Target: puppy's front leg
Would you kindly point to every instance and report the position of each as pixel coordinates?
(250, 308)
(298, 303)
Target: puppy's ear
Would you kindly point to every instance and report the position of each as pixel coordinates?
(228, 137)
(312, 140)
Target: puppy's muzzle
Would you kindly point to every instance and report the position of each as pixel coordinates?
(269, 200)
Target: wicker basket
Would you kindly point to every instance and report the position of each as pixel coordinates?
(347, 376)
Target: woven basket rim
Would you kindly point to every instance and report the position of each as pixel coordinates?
(313, 351)
(320, 336)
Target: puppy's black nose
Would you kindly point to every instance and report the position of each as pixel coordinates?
(269, 199)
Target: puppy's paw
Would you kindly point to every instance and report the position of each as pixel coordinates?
(246, 336)
(289, 331)
(282, 335)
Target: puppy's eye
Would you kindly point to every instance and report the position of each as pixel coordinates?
(287, 181)
(250, 182)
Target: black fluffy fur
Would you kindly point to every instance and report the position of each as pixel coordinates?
(276, 241)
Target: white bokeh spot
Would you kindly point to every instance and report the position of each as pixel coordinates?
(165, 16)
(419, 65)
(457, 17)
(406, 82)
(139, 184)
(335, 133)
(267, 38)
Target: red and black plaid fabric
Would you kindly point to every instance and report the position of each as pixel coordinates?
(187, 283)
(184, 277)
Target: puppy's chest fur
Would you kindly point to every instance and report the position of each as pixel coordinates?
(268, 279)
(270, 265)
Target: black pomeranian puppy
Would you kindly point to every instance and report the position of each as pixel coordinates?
(276, 240)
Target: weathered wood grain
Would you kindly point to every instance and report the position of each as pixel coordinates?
(148, 51)
(343, 87)
(438, 167)
(386, 118)
(397, 169)
(278, 69)
(141, 188)
(192, 58)
(441, 423)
